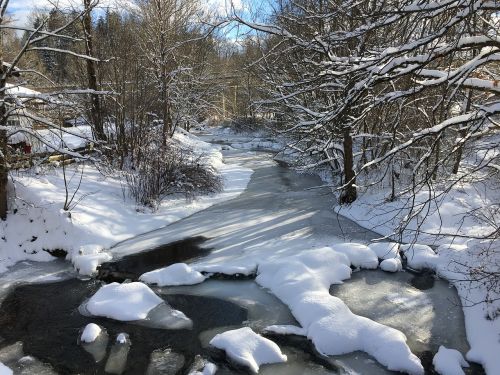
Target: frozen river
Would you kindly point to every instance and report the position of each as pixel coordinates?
(280, 211)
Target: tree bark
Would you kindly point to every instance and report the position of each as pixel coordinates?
(96, 112)
(349, 194)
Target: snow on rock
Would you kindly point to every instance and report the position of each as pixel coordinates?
(286, 330)
(420, 256)
(227, 268)
(87, 264)
(302, 281)
(449, 362)
(125, 302)
(391, 265)
(122, 338)
(4, 370)
(176, 274)
(90, 332)
(360, 255)
(248, 348)
(385, 250)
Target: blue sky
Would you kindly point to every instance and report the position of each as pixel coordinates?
(20, 9)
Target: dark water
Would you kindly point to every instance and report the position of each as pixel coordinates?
(45, 318)
(132, 266)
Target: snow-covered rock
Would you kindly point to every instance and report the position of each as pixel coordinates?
(4, 370)
(176, 274)
(449, 362)
(90, 333)
(302, 281)
(360, 255)
(87, 264)
(122, 338)
(420, 256)
(248, 348)
(391, 265)
(286, 330)
(385, 250)
(125, 302)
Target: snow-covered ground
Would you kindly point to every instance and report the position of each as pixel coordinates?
(286, 235)
(104, 215)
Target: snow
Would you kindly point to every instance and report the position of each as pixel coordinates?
(449, 362)
(420, 256)
(208, 369)
(302, 280)
(455, 256)
(176, 274)
(90, 332)
(104, 215)
(360, 255)
(385, 250)
(125, 302)
(246, 347)
(286, 330)
(4, 370)
(122, 338)
(391, 265)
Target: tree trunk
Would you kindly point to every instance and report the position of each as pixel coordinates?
(96, 113)
(349, 194)
(4, 173)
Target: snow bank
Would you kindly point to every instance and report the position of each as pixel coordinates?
(104, 216)
(176, 274)
(246, 347)
(4, 370)
(125, 302)
(449, 362)
(90, 333)
(361, 256)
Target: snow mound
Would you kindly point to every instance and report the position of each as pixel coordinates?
(420, 256)
(385, 250)
(302, 281)
(87, 264)
(449, 362)
(4, 370)
(176, 274)
(286, 330)
(125, 302)
(248, 348)
(391, 265)
(361, 256)
(90, 333)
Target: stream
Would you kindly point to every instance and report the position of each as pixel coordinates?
(40, 322)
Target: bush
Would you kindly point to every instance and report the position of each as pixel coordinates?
(171, 170)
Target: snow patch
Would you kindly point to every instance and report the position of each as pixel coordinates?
(449, 362)
(4, 370)
(391, 265)
(176, 274)
(361, 256)
(286, 330)
(125, 302)
(90, 333)
(246, 347)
